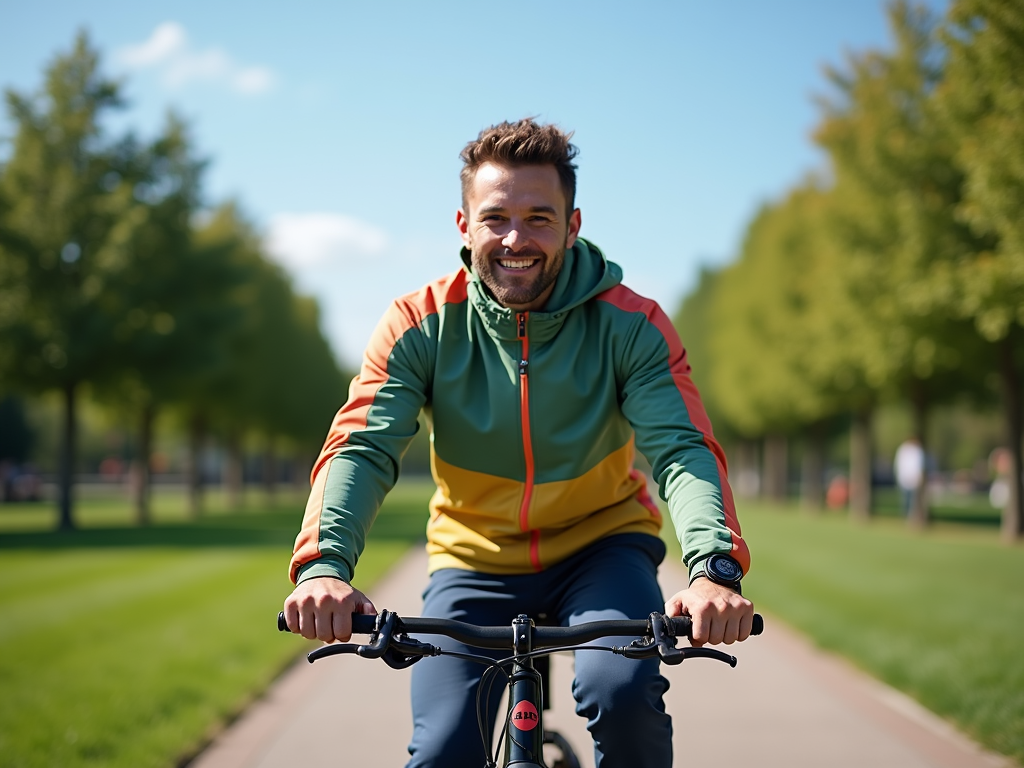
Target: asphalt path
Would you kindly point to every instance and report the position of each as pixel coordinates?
(785, 704)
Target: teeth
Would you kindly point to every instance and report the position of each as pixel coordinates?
(516, 263)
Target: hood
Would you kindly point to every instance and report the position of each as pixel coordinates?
(585, 273)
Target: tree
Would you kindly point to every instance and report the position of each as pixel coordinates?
(981, 102)
(62, 197)
(896, 184)
(280, 379)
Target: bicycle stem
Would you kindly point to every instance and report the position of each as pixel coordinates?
(524, 721)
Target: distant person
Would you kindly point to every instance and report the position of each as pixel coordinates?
(909, 469)
(541, 375)
(1000, 461)
(838, 494)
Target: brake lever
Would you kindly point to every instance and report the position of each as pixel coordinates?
(379, 641)
(665, 642)
(404, 652)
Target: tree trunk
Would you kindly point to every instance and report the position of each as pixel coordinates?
(1013, 512)
(812, 486)
(194, 472)
(861, 496)
(141, 480)
(66, 476)
(744, 472)
(918, 516)
(776, 474)
(270, 472)
(233, 471)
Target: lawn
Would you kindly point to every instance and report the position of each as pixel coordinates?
(126, 646)
(938, 615)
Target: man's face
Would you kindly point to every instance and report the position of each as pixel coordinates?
(517, 232)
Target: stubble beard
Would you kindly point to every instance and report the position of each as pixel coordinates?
(509, 291)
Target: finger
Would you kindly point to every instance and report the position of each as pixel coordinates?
(732, 630)
(291, 616)
(716, 632)
(324, 624)
(340, 632)
(674, 607)
(307, 621)
(700, 632)
(366, 607)
(746, 625)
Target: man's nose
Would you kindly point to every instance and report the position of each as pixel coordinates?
(514, 240)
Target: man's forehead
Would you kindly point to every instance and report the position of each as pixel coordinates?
(536, 185)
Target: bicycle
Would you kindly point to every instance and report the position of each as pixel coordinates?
(524, 726)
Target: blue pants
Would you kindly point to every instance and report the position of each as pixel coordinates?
(621, 698)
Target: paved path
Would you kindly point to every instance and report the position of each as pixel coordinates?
(786, 704)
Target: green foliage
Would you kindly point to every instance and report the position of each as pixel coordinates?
(280, 376)
(106, 280)
(63, 194)
(896, 184)
(775, 322)
(982, 102)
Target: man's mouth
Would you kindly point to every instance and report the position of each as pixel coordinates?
(518, 263)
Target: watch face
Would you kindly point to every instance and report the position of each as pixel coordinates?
(725, 568)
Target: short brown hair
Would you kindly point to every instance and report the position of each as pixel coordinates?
(523, 142)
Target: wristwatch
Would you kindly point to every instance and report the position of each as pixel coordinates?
(720, 569)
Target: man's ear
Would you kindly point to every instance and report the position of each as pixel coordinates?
(462, 222)
(575, 221)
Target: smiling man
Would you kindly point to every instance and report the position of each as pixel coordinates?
(541, 375)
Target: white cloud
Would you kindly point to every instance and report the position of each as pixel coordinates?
(300, 240)
(166, 40)
(168, 51)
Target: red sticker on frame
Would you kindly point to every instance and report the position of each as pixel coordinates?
(524, 716)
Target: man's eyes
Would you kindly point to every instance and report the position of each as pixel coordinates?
(492, 218)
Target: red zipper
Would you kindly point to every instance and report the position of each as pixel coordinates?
(524, 415)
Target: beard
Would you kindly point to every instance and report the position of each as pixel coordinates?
(511, 290)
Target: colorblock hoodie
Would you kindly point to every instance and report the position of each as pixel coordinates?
(535, 418)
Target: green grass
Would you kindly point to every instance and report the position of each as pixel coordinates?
(126, 646)
(938, 615)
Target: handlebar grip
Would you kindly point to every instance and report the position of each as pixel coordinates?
(758, 626)
(683, 625)
(362, 624)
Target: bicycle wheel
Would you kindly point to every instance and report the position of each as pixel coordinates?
(563, 756)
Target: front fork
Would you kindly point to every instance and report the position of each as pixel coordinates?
(524, 743)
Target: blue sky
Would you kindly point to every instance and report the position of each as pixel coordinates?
(337, 125)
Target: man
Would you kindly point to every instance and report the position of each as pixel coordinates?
(540, 374)
(908, 466)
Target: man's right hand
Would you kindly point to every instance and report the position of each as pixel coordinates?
(323, 607)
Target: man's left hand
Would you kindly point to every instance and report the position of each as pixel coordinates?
(719, 614)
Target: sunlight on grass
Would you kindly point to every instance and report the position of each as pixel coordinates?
(130, 647)
(938, 615)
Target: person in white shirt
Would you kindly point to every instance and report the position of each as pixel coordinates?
(909, 469)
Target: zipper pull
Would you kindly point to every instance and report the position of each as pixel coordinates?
(521, 318)
(523, 364)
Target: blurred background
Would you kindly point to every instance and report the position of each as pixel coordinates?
(203, 214)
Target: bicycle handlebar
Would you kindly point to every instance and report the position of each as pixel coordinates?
(543, 637)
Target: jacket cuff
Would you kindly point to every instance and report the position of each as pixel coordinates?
(698, 569)
(333, 567)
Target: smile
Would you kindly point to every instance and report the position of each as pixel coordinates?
(517, 263)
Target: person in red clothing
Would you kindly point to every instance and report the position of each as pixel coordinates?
(541, 374)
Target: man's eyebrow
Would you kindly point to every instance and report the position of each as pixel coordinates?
(534, 209)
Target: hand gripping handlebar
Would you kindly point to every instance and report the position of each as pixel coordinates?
(389, 637)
